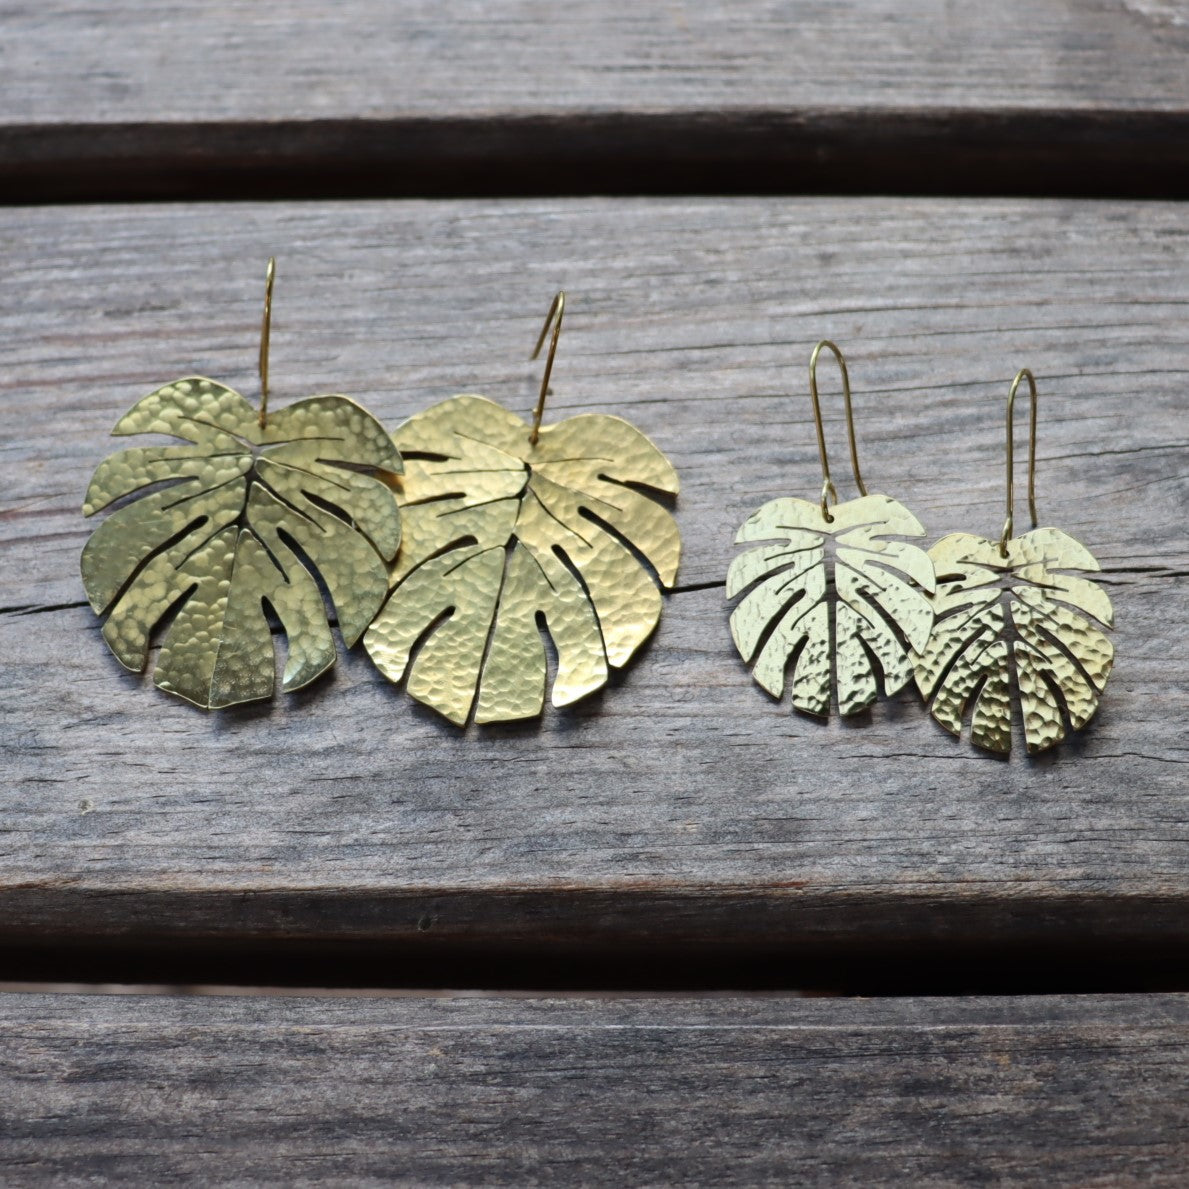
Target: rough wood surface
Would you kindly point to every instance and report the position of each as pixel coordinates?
(232, 60)
(1053, 1091)
(683, 804)
(525, 96)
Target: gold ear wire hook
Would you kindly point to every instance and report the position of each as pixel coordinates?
(828, 489)
(1023, 373)
(265, 334)
(554, 318)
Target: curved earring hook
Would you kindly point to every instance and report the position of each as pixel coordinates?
(557, 311)
(270, 276)
(828, 489)
(1022, 374)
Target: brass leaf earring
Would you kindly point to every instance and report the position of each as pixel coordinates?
(782, 624)
(246, 515)
(1007, 608)
(511, 527)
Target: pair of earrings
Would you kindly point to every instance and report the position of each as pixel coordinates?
(446, 548)
(959, 619)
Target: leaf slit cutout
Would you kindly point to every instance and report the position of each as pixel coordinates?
(306, 562)
(1044, 629)
(641, 559)
(875, 665)
(557, 519)
(891, 672)
(155, 488)
(160, 626)
(771, 669)
(436, 499)
(647, 490)
(960, 666)
(962, 654)
(776, 682)
(872, 605)
(283, 499)
(1056, 691)
(786, 563)
(429, 629)
(169, 544)
(196, 494)
(468, 543)
(1082, 621)
(575, 573)
(793, 611)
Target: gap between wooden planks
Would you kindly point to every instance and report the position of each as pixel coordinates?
(683, 804)
(521, 96)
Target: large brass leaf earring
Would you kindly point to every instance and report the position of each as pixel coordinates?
(782, 625)
(243, 518)
(511, 529)
(1006, 615)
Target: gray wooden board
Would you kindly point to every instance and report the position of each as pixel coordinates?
(129, 100)
(1078, 1091)
(684, 803)
(127, 63)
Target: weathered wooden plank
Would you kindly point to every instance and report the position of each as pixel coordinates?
(126, 62)
(521, 96)
(682, 806)
(1058, 1091)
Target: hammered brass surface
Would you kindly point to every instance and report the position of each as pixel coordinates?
(1015, 618)
(246, 517)
(503, 537)
(880, 610)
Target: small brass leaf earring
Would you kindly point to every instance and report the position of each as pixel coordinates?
(880, 609)
(1004, 608)
(244, 516)
(511, 527)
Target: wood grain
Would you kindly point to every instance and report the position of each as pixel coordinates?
(683, 805)
(231, 60)
(1077, 1091)
(522, 96)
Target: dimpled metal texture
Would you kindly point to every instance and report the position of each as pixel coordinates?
(999, 618)
(503, 538)
(880, 612)
(240, 518)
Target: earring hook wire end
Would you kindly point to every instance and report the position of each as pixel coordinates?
(828, 489)
(557, 311)
(270, 275)
(1009, 525)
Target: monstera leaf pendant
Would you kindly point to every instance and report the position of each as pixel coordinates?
(1022, 619)
(236, 522)
(782, 626)
(514, 530)
(504, 537)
